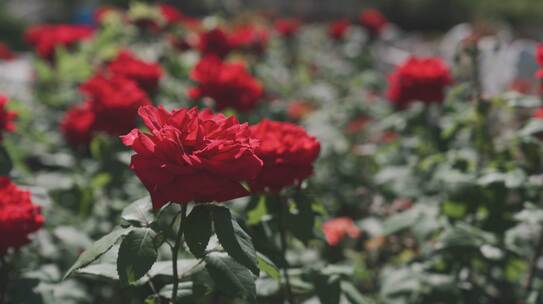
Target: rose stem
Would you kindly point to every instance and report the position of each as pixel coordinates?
(175, 250)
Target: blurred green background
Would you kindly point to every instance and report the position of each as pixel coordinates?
(422, 15)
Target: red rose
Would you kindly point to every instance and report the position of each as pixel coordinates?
(115, 101)
(144, 73)
(337, 29)
(172, 15)
(78, 124)
(337, 229)
(299, 109)
(229, 84)
(288, 153)
(538, 114)
(539, 54)
(422, 79)
(18, 216)
(373, 21)
(192, 156)
(214, 42)
(45, 38)
(287, 27)
(5, 52)
(249, 37)
(6, 117)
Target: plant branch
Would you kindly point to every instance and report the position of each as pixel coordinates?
(283, 238)
(175, 251)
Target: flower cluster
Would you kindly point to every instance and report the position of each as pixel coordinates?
(419, 79)
(192, 156)
(229, 84)
(19, 217)
(46, 38)
(288, 153)
(144, 73)
(111, 107)
(6, 117)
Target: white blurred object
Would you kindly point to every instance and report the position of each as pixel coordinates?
(16, 78)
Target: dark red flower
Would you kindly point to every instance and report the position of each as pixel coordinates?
(287, 27)
(539, 54)
(538, 114)
(422, 79)
(335, 230)
(288, 153)
(338, 28)
(172, 15)
(229, 84)
(18, 216)
(214, 42)
(5, 52)
(249, 37)
(192, 156)
(373, 21)
(115, 101)
(45, 38)
(6, 117)
(146, 74)
(78, 124)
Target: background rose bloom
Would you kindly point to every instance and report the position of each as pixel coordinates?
(78, 124)
(18, 216)
(5, 52)
(249, 37)
(192, 156)
(287, 27)
(337, 229)
(338, 28)
(288, 153)
(373, 21)
(6, 117)
(45, 38)
(422, 79)
(115, 101)
(146, 74)
(214, 42)
(229, 84)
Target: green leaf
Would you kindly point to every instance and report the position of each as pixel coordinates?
(230, 277)
(328, 289)
(234, 239)
(198, 230)
(97, 250)
(401, 221)
(256, 215)
(353, 295)
(302, 223)
(137, 254)
(139, 212)
(268, 266)
(185, 292)
(6, 165)
(104, 270)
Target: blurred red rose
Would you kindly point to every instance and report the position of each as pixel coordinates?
(18, 216)
(357, 124)
(229, 84)
(192, 156)
(422, 79)
(172, 15)
(538, 114)
(146, 74)
(5, 52)
(249, 37)
(539, 54)
(287, 27)
(373, 21)
(214, 42)
(45, 38)
(78, 124)
(288, 153)
(338, 28)
(337, 229)
(6, 117)
(115, 101)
